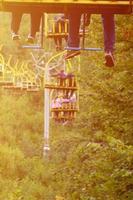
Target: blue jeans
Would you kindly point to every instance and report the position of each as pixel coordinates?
(108, 29)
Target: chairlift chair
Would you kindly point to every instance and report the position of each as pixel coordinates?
(50, 27)
(63, 6)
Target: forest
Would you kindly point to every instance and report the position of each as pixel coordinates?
(90, 159)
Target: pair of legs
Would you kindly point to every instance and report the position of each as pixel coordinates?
(58, 42)
(34, 27)
(108, 30)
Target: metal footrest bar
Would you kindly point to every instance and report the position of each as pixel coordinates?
(83, 49)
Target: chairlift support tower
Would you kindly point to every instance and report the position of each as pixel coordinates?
(57, 62)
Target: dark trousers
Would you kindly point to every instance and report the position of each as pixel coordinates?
(16, 20)
(35, 22)
(108, 30)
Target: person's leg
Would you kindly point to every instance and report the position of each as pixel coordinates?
(15, 24)
(73, 34)
(66, 38)
(109, 38)
(60, 42)
(56, 42)
(35, 25)
(73, 29)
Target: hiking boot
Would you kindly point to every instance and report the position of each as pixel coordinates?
(15, 36)
(30, 39)
(109, 59)
(71, 54)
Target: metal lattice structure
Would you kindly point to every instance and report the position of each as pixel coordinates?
(18, 76)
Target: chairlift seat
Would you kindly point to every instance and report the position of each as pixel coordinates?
(64, 117)
(12, 87)
(52, 34)
(6, 83)
(50, 86)
(62, 6)
(62, 35)
(64, 109)
(35, 89)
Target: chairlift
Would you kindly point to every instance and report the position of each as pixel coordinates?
(12, 87)
(56, 27)
(63, 6)
(52, 6)
(63, 108)
(50, 28)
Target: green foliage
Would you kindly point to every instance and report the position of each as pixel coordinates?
(90, 159)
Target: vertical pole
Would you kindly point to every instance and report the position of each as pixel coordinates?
(45, 25)
(46, 115)
(83, 40)
(131, 6)
(46, 147)
(42, 30)
(46, 121)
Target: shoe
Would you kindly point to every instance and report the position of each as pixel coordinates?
(57, 48)
(30, 39)
(15, 36)
(60, 48)
(65, 122)
(109, 59)
(71, 54)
